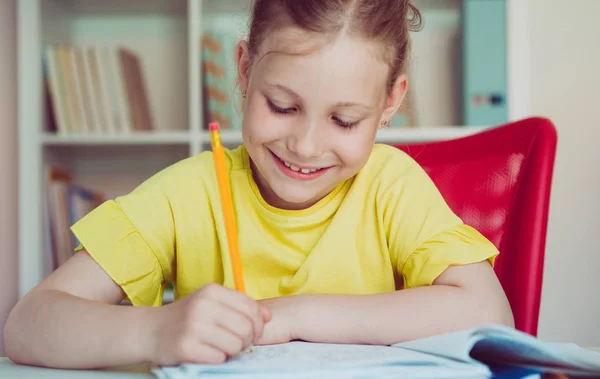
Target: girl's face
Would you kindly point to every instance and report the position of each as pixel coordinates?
(310, 120)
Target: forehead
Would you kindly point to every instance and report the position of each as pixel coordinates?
(345, 68)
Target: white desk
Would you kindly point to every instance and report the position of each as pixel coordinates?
(11, 370)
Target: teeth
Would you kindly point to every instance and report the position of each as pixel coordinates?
(297, 169)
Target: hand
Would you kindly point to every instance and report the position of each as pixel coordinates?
(280, 327)
(207, 326)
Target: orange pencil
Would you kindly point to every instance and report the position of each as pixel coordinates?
(227, 204)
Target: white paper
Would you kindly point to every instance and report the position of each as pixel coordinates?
(519, 349)
(302, 359)
(452, 355)
(500, 344)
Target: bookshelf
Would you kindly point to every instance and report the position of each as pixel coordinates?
(157, 138)
(166, 37)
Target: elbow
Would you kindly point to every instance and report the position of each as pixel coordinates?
(10, 336)
(484, 307)
(500, 316)
(15, 333)
(494, 311)
(502, 311)
(506, 317)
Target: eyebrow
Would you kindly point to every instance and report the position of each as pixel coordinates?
(340, 104)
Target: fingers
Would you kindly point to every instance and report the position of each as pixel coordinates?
(209, 326)
(206, 354)
(240, 303)
(237, 324)
(225, 341)
(266, 314)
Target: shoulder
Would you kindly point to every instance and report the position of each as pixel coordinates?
(197, 169)
(389, 166)
(234, 159)
(384, 155)
(397, 181)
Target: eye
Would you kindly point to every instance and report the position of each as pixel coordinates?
(275, 109)
(344, 124)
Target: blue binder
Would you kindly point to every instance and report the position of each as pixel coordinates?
(484, 62)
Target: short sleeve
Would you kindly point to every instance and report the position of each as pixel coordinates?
(424, 235)
(457, 245)
(132, 239)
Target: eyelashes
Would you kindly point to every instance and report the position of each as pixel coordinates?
(344, 124)
(289, 111)
(275, 109)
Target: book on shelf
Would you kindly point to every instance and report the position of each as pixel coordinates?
(95, 90)
(65, 202)
(221, 95)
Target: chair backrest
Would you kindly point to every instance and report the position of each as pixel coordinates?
(498, 181)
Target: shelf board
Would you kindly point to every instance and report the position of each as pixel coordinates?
(121, 7)
(229, 136)
(150, 138)
(387, 135)
(390, 135)
(226, 6)
(425, 5)
(426, 134)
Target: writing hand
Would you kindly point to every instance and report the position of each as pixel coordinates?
(207, 326)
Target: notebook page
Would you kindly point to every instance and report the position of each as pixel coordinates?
(302, 359)
(368, 373)
(497, 344)
(526, 351)
(456, 345)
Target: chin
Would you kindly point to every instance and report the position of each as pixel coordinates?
(290, 196)
(296, 199)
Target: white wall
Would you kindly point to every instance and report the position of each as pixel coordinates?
(565, 86)
(8, 161)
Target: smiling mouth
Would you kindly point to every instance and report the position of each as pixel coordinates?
(304, 171)
(298, 169)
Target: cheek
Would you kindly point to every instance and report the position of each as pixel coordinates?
(260, 124)
(354, 152)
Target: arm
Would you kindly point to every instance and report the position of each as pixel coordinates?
(462, 297)
(72, 320)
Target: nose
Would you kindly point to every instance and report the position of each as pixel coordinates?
(305, 141)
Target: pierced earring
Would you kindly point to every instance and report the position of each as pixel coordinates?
(384, 123)
(244, 95)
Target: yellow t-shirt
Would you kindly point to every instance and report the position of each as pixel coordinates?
(387, 222)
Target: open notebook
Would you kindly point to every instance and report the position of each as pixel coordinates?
(474, 353)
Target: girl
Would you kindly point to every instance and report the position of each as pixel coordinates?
(342, 240)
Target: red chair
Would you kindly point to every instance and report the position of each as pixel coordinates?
(498, 181)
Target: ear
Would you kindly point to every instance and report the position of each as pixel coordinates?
(243, 63)
(394, 99)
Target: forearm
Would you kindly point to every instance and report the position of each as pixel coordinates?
(54, 329)
(394, 317)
